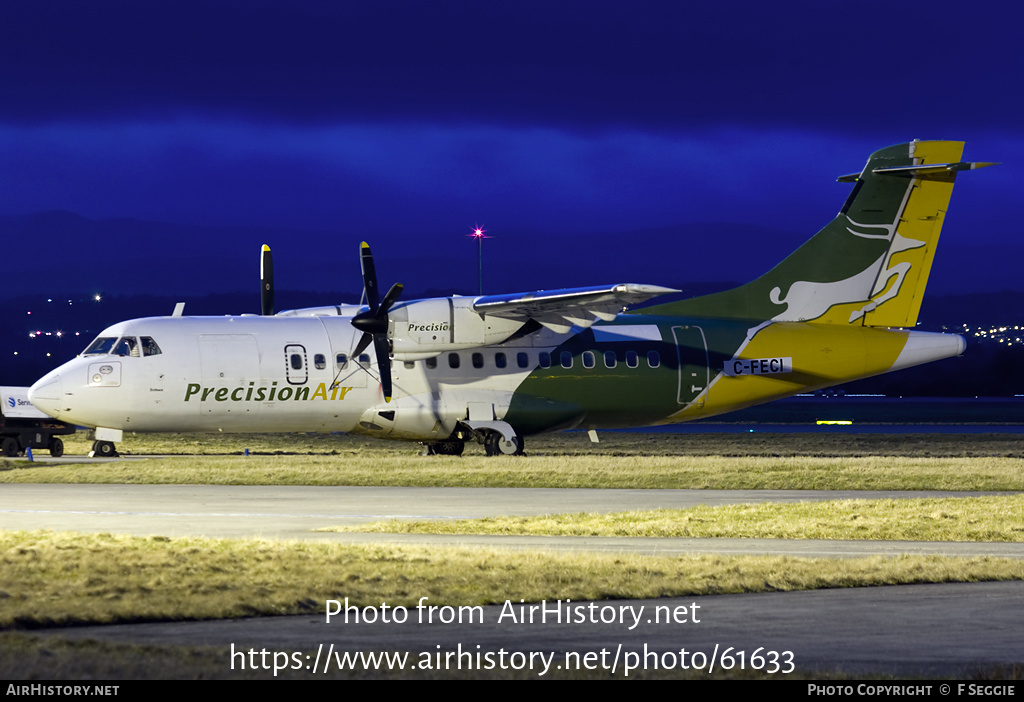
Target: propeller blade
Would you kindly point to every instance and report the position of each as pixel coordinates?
(361, 346)
(373, 322)
(390, 298)
(266, 282)
(369, 277)
(380, 345)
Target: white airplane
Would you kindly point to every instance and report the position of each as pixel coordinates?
(496, 368)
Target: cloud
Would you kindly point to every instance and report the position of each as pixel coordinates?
(412, 177)
(548, 123)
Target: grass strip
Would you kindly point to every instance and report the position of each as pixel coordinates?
(988, 518)
(59, 579)
(990, 473)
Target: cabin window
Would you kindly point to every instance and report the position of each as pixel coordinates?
(610, 359)
(523, 359)
(364, 360)
(631, 359)
(409, 365)
(320, 361)
(341, 360)
(566, 359)
(499, 360)
(453, 360)
(149, 347)
(478, 360)
(296, 361)
(431, 362)
(653, 359)
(544, 359)
(588, 359)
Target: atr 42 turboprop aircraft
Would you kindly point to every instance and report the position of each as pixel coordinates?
(497, 368)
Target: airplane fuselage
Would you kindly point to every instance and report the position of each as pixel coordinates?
(251, 374)
(498, 367)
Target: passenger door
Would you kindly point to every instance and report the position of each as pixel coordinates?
(694, 374)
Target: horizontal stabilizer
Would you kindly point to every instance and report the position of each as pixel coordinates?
(924, 171)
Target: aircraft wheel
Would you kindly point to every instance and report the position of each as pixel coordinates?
(495, 445)
(452, 447)
(10, 447)
(56, 447)
(105, 449)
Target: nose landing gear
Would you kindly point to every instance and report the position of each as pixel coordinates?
(103, 449)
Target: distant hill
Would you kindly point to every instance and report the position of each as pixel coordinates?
(57, 252)
(51, 252)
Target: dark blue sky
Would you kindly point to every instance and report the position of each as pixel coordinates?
(656, 142)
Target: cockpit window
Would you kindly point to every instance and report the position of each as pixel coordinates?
(149, 346)
(126, 346)
(101, 346)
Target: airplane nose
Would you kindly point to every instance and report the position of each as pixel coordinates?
(46, 394)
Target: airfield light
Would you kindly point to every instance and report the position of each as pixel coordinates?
(97, 297)
(478, 234)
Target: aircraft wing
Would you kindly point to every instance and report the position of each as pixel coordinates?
(560, 310)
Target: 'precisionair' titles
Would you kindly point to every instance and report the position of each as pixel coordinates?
(263, 393)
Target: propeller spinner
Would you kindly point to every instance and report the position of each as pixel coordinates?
(374, 321)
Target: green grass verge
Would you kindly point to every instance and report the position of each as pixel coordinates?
(57, 579)
(383, 464)
(989, 518)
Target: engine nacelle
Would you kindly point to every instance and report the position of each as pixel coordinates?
(325, 311)
(428, 327)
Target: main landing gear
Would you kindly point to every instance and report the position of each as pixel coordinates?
(494, 444)
(451, 447)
